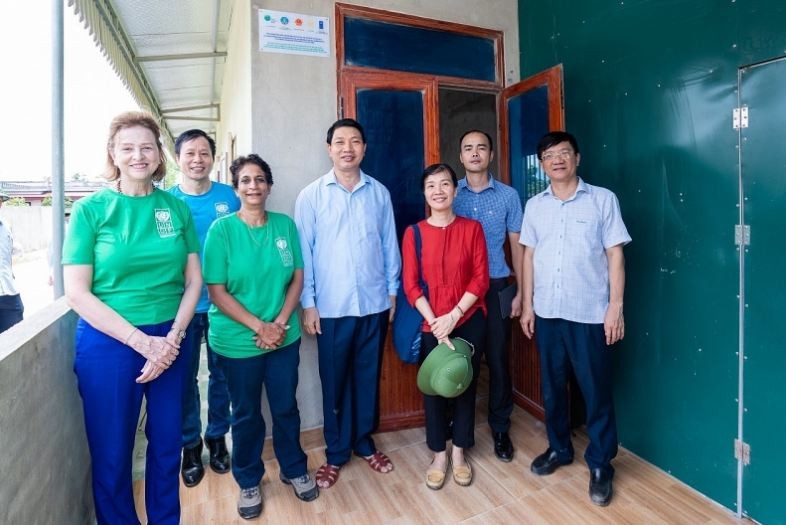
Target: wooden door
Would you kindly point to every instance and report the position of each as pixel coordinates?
(527, 111)
(399, 114)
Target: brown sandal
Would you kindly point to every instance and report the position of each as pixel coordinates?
(379, 462)
(327, 475)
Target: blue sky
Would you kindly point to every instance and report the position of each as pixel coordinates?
(93, 94)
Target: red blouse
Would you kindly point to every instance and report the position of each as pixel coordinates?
(454, 260)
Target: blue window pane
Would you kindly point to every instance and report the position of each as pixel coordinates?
(528, 118)
(417, 50)
(393, 122)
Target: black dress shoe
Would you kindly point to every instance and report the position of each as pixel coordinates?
(192, 469)
(547, 463)
(600, 489)
(503, 447)
(219, 456)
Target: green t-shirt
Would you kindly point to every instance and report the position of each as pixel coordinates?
(256, 266)
(138, 248)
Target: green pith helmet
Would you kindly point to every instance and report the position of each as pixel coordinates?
(447, 372)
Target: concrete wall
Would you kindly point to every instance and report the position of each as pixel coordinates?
(44, 464)
(294, 102)
(236, 91)
(32, 226)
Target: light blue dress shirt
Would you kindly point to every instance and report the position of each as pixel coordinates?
(7, 282)
(498, 209)
(351, 260)
(570, 238)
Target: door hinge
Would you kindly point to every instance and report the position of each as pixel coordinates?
(340, 107)
(742, 234)
(739, 117)
(742, 451)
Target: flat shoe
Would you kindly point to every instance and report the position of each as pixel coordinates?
(435, 478)
(462, 474)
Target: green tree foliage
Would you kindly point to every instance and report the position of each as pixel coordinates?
(16, 201)
(47, 201)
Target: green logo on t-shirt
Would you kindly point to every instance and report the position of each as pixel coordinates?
(284, 252)
(164, 222)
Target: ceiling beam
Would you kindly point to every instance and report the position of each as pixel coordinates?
(183, 56)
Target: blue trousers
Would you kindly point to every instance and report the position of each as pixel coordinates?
(106, 370)
(217, 392)
(564, 345)
(350, 353)
(11, 311)
(277, 371)
(437, 408)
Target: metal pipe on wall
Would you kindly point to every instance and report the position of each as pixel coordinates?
(58, 158)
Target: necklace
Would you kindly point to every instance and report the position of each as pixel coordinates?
(432, 222)
(119, 187)
(250, 229)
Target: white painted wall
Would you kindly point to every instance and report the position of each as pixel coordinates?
(236, 99)
(293, 102)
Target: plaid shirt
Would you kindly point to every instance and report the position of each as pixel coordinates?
(498, 209)
(570, 239)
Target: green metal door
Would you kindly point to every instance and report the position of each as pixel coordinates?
(763, 208)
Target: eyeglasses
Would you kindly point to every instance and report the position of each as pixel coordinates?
(564, 154)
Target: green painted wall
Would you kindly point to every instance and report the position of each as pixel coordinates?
(649, 90)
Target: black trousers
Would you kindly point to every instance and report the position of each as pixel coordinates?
(495, 349)
(437, 407)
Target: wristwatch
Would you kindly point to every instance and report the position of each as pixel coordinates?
(181, 334)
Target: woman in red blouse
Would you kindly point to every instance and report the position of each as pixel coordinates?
(454, 263)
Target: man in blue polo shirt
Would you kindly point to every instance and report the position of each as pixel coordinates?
(574, 281)
(497, 207)
(208, 200)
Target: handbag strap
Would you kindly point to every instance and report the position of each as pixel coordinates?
(418, 248)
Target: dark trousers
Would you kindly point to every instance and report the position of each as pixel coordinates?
(277, 371)
(11, 311)
(566, 345)
(463, 406)
(495, 349)
(217, 393)
(350, 354)
(106, 370)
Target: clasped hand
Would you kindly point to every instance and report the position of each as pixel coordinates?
(442, 327)
(270, 335)
(160, 352)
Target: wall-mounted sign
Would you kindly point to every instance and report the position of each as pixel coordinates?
(293, 33)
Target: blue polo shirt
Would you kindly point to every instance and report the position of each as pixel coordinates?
(498, 209)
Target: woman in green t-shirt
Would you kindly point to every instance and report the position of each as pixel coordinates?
(253, 269)
(132, 274)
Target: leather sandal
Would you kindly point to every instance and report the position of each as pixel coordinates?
(327, 475)
(462, 474)
(435, 478)
(379, 462)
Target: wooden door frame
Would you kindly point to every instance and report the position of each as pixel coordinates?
(550, 78)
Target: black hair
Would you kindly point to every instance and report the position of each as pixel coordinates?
(488, 137)
(436, 168)
(253, 158)
(345, 123)
(553, 138)
(191, 134)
